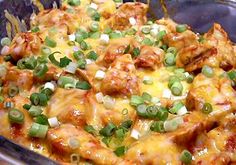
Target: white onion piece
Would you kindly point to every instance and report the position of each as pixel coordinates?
(71, 68)
(99, 97)
(53, 122)
(109, 102)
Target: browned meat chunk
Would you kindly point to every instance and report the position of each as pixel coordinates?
(88, 146)
(121, 78)
(150, 57)
(23, 45)
(218, 38)
(120, 20)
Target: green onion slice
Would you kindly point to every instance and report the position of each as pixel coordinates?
(16, 116)
(40, 70)
(84, 85)
(186, 157)
(108, 130)
(50, 42)
(157, 126)
(35, 111)
(136, 100)
(207, 108)
(41, 119)
(120, 151)
(38, 130)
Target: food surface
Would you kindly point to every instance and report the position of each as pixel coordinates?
(96, 82)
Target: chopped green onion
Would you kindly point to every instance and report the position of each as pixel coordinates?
(157, 126)
(50, 42)
(120, 151)
(84, 85)
(125, 111)
(114, 35)
(92, 55)
(30, 63)
(172, 80)
(120, 133)
(16, 116)
(176, 107)
(13, 90)
(5, 41)
(108, 130)
(34, 98)
(169, 59)
(42, 99)
(35, 111)
(131, 31)
(106, 140)
(83, 45)
(38, 130)
(35, 29)
(40, 70)
(190, 78)
(1, 99)
(162, 114)
(82, 63)
(41, 119)
(160, 35)
(71, 43)
(172, 125)
(78, 55)
(94, 26)
(64, 80)
(64, 62)
(146, 29)
(53, 59)
(127, 49)
(176, 88)
(232, 75)
(7, 58)
(207, 108)
(126, 124)
(181, 28)
(147, 80)
(146, 97)
(73, 2)
(207, 71)
(152, 111)
(201, 39)
(48, 92)
(94, 35)
(172, 50)
(136, 52)
(107, 30)
(27, 106)
(93, 13)
(164, 47)
(21, 64)
(90, 129)
(142, 110)
(186, 157)
(136, 100)
(147, 41)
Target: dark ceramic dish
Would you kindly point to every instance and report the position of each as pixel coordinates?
(199, 14)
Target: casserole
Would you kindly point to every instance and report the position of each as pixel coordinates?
(94, 84)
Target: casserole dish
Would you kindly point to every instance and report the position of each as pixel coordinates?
(98, 83)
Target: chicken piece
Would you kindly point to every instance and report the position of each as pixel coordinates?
(89, 147)
(115, 49)
(180, 40)
(217, 91)
(150, 57)
(60, 18)
(218, 38)
(120, 20)
(194, 57)
(216, 51)
(23, 45)
(154, 149)
(217, 146)
(22, 78)
(120, 78)
(67, 104)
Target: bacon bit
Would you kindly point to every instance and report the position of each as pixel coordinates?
(231, 143)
